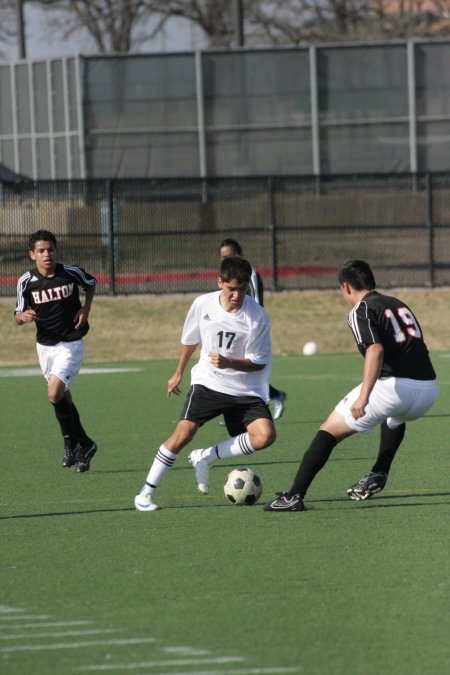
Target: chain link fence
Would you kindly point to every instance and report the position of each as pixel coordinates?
(163, 236)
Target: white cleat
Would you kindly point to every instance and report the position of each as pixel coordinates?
(201, 467)
(278, 403)
(144, 502)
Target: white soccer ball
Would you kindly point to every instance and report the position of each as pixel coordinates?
(242, 487)
(311, 348)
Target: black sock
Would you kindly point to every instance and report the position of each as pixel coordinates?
(273, 392)
(313, 460)
(82, 435)
(390, 440)
(63, 412)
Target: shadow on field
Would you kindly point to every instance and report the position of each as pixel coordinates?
(379, 503)
(383, 502)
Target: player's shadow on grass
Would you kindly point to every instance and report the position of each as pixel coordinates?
(379, 503)
(24, 516)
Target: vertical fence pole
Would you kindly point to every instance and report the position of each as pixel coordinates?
(112, 239)
(430, 228)
(273, 232)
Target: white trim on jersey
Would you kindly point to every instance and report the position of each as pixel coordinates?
(244, 335)
(21, 285)
(80, 274)
(353, 322)
(254, 287)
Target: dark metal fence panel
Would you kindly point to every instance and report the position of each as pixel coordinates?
(163, 236)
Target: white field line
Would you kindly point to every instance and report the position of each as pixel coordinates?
(5, 609)
(185, 651)
(32, 372)
(76, 645)
(66, 633)
(24, 617)
(161, 664)
(48, 624)
(245, 671)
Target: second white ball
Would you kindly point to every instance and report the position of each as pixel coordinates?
(311, 348)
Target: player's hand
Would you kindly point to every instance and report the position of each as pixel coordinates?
(358, 409)
(218, 360)
(173, 385)
(28, 316)
(81, 317)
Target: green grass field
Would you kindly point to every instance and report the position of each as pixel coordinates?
(89, 585)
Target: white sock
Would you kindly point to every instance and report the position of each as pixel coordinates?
(232, 447)
(164, 460)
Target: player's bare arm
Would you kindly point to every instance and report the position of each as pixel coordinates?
(373, 362)
(243, 365)
(174, 381)
(82, 315)
(28, 316)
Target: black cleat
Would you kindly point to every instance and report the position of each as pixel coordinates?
(284, 503)
(367, 486)
(71, 454)
(84, 458)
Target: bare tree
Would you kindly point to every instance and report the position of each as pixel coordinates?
(127, 25)
(7, 25)
(293, 22)
(216, 18)
(114, 25)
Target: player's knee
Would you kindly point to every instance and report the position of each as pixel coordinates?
(271, 436)
(263, 437)
(54, 396)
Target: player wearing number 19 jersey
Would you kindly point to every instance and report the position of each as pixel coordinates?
(398, 386)
(388, 321)
(231, 379)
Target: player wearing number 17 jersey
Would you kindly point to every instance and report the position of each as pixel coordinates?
(231, 378)
(398, 386)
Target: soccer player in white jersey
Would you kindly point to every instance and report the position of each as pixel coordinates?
(256, 290)
(231, 378)
(48, 296)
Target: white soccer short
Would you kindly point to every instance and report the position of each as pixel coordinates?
(63, 360)
(393, 400)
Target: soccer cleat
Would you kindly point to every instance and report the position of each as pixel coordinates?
(278, 405)
(284, 503)
(84, 457)
(201, 467)
(70, 456)
(145, 502)
(368, 485)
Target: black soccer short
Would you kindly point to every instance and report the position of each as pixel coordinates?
(203, 404)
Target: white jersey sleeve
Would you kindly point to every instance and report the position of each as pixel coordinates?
(244, 335)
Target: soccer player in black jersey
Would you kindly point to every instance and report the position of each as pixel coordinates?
(398, 386)
(256, 290)
(48, 295)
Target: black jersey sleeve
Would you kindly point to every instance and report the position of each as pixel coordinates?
(363, 327)
(83, 278)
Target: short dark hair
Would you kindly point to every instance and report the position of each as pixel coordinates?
(234, 245)
(235, 267)
(41, 235)
(358, 274)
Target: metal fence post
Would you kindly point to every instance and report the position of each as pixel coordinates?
(112, 239)
(273, 232)
(430, 228)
